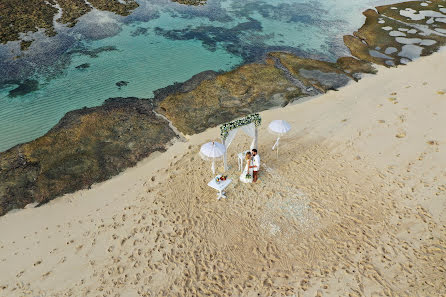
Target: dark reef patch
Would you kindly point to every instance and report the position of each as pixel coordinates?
(25, 44)
(140, 31)
(46, 60)
(24, 87)
(213, 11)
(306, 13)
(93, 53)
(191, 2)
(121, 84)
(83, 66)
(244, 40)
(212, 36)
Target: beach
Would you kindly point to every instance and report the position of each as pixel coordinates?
(354, 205)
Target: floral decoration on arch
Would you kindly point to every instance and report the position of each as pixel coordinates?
(252, 118)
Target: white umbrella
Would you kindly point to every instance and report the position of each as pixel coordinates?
(278, 127)
(211, 151)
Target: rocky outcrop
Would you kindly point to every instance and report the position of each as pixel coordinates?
(25, 16)
(323, 75)
(71, 10)
(184, 87)
(247, 89)
(87, 146)
(121, 7)
(398, 33)
(22, 16)
(215, 99)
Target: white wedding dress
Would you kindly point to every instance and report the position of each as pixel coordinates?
(243, 177)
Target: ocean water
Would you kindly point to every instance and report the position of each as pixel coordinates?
(160, 43)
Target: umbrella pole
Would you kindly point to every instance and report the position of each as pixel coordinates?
(256, 135)
(225, 157)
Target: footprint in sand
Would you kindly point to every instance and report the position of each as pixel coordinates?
(401, 135)
(393, 100)
(46, 274)
(433, 142)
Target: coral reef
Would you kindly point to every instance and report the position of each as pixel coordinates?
(24, 87)
(346, 67)
(398, 33)
(247, 89)
(87, 146)
(23, 16)
(72, 10)
(191, 2)
(123, 7)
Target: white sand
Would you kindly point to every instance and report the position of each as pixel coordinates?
(354, 206)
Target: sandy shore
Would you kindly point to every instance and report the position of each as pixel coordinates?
(354, 206)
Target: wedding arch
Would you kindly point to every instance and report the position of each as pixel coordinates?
(247, 124)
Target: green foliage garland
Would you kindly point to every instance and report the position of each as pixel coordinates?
(252, 118)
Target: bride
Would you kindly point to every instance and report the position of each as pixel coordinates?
(246, 176)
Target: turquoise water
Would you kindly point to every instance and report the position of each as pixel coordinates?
(159, 44)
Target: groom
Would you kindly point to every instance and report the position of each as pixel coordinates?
(255, 165)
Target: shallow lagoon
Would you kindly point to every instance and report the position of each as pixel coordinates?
(157, 45)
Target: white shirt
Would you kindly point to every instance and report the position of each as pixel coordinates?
(256, 162)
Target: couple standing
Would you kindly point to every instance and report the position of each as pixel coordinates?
(252, 167)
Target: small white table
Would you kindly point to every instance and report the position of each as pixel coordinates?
(219, 186)
(241, 158)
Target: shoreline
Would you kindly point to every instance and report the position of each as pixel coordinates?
(344, 147)
(370, 35)
(180, 146)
